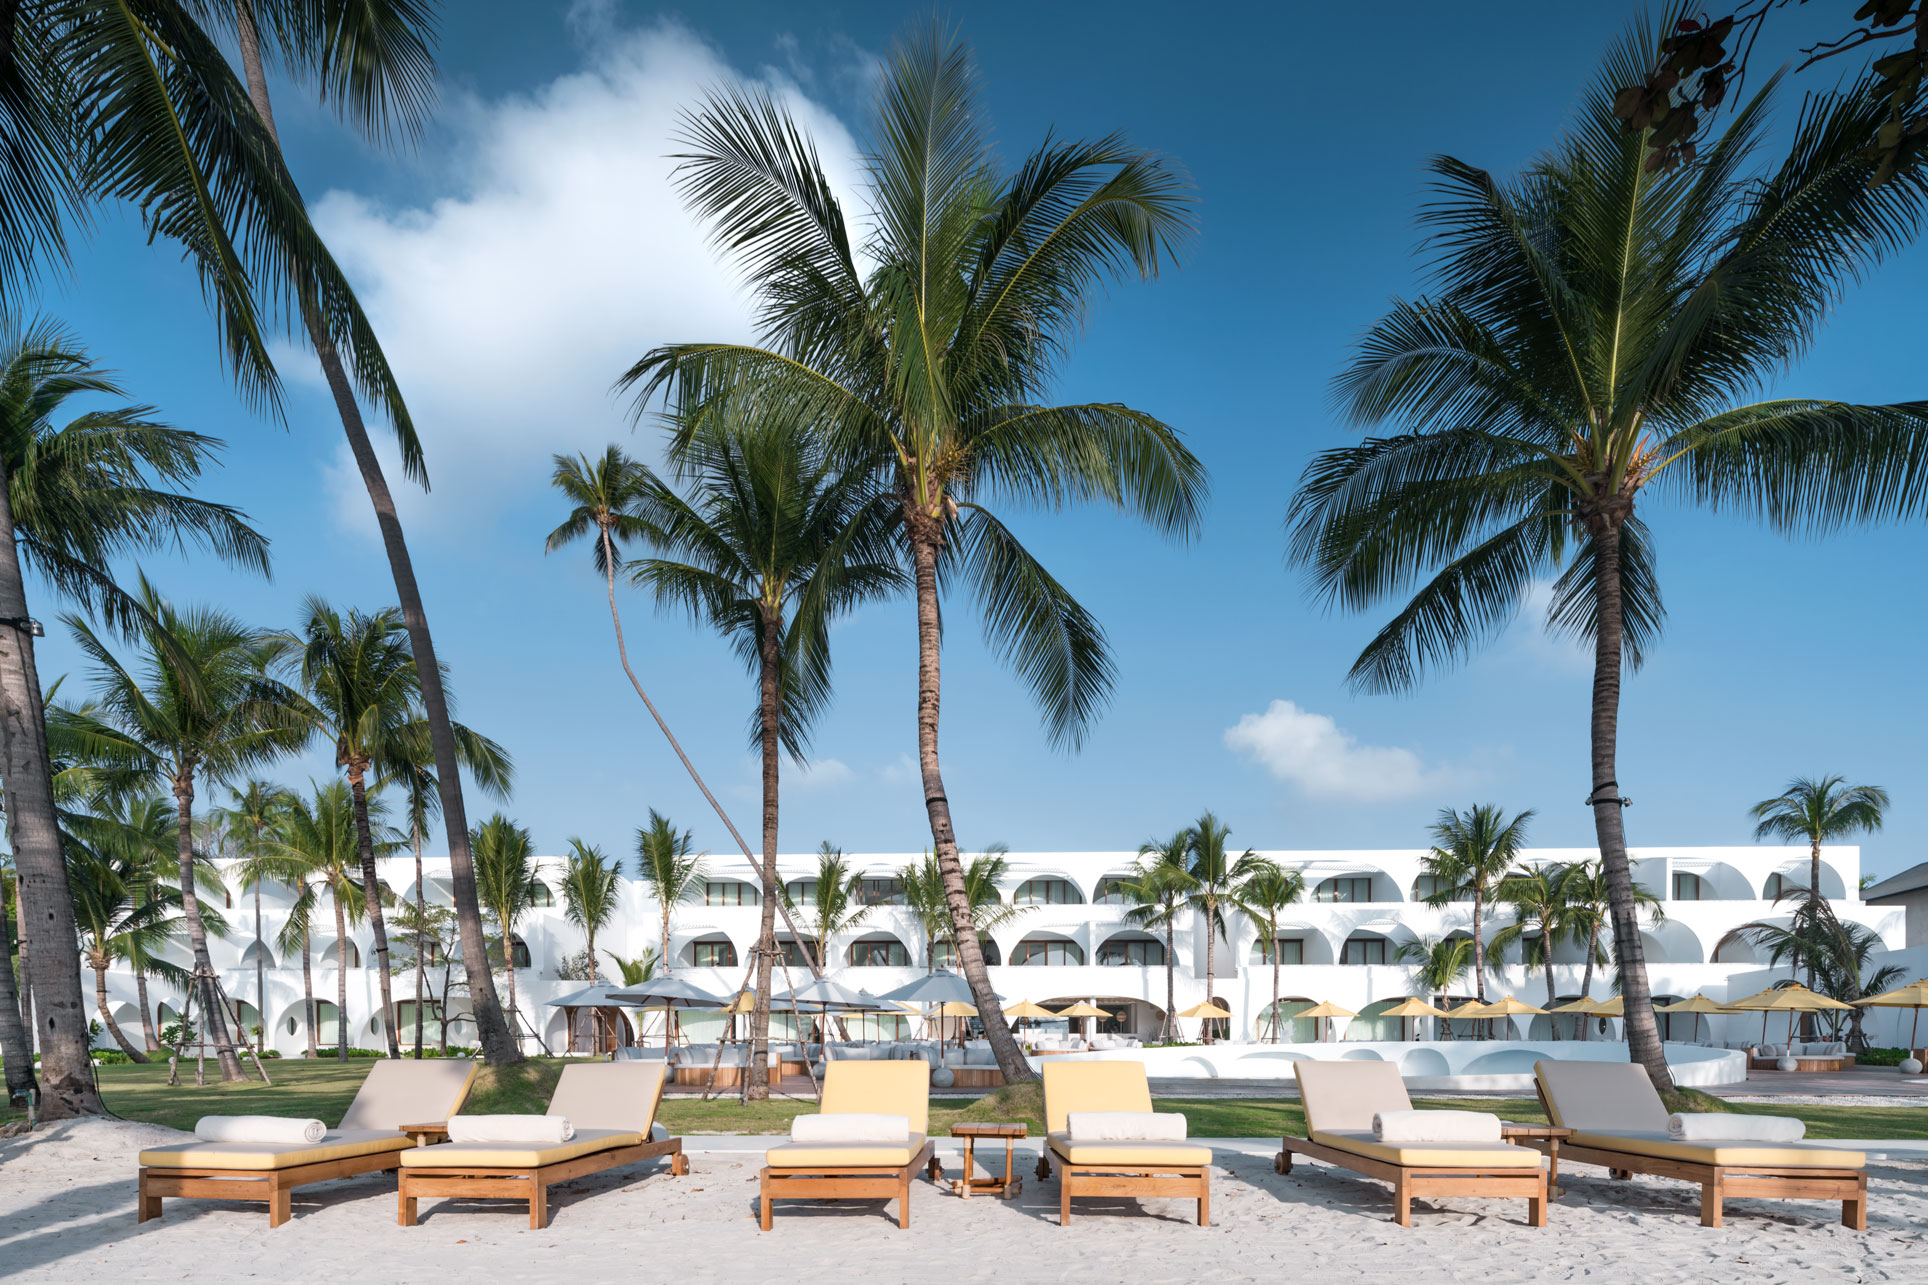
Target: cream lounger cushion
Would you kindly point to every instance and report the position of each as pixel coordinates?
(1129, 1154)
(1430, 1155)
(338, 1144)
(1435, 1127)
(1612, 1106)
(868, 1127)
(1690, 1126)
(528, 1130)
(1104, 1087)
(900, 1088)
(516, 1155)
(1125, 1126)
(844, 1155)
(406, 1092)
(258, 1128)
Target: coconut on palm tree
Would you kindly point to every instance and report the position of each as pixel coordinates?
(1159, 887)
(1218, 876)
(1471, 853)
(1818, 810)
(673, 871)
(74, 496)
(510, 886)
(930, 366)
(1262, 898)
(201, 707)
(768, 547)
(1536, 894)
(1594, 333)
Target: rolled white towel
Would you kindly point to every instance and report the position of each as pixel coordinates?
(257, 1128)
(1717, 1127)
(545, 1130)
(1126, 1126)
(1436, 1126)
(854, 1126)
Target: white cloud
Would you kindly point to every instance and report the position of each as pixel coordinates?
(1528, 638)
(556, 253)
(1314, 755)
(901, 772)
(819, 774)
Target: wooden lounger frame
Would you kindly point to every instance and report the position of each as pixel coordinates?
(1428, 1180)
(1182, 1182)
(1717, 1182)
(527, 1184)
(273, 1186)
(856, 1182)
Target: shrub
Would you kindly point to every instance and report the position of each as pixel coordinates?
(1880, 1057)
(111, 1057)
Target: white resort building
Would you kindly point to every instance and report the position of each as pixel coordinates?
(1071, 942)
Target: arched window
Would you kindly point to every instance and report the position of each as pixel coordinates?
(335, 952)
(880, 892)
(1111, 891)
(713, 953)
(1291, 950)
(1344, 888)
(1432, 885)
(1365, 948)
(879, 952)
(1047, 952)
(541, 896)
(1047, 892)
(729, 892)
(793, 952)
(944, 952)
(1142, 951)
(1691, 887)
(1779, 885)
(519, 952)
(803, 892)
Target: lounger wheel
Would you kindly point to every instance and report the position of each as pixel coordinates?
(1044, 1168)
(1282, 1163)
(679, 1165)
(936, 1170)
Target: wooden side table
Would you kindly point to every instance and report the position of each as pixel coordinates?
(1005, 1187)
(426, 1135)
(1547, 1134)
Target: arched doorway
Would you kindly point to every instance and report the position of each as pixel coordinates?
(1292, 1029)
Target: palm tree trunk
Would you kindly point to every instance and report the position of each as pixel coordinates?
(107, 1014)
(758, 1082)
(1275, 983)
(421, 929)
(371, 891)
(1546, 952)
(1169, 1029)
(341, 979)
(1643, 1034)
(1586, 979)
(58, 1010)
(26, 969)
(309, 1015)
(925, 536)
(15, 1051)
(508, 957)
(148, 1035)
(498, 1047)
(1479, 946)
(260, 968)
(214, 1016)
(1211, 952)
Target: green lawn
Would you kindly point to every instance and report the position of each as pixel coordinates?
(322, 1090)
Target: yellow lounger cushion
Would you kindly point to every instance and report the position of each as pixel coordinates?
(1092, 1086)
(1760, 1155)
(337, 1144)
(844, 1155)
(513, 1155)
(1458, 1155)
(1130, 1155)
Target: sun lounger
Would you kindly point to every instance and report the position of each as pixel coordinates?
(1340, 1100)
(612, 1106)
(1115, 1168)
(370, 1137)
(1621, 1123)
(859, 1170)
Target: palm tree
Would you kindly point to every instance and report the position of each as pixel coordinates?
(672, 868)
(1161, 884)
(1536, 893)
(635, 972)
(1471, 852)
(118, 922)
(73, 498)
(316, 846)
(930, 370)
(202, 707)
(835, 904)
(1438, 965)
(591, 893)
(1820, 810)
(1261, 899)
(255, 808)
(1594, 329)
(770, 547)
(930, 906)
(1218, 876)
(509, 885)
(363, 690)
(1588, 894)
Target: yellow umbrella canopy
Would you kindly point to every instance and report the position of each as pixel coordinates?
(1615, 1007)
(1082, 1009)
(1026, 1008)
(1698, 1004)
(1471, 1008)
(1585, 1005)
(957, 1008)
(1790, 999)
(1510, 1007)
(1413, 1008)
(1326, 1009)
(1204, 1009)
(1914, 995)
(744, 1002)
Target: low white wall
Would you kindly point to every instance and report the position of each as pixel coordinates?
(1493, 1065)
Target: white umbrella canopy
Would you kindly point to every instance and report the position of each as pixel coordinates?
(666, 992)
(826, 991)
(940, 986)
(587, 997)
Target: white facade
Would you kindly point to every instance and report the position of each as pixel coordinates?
(1347, 947)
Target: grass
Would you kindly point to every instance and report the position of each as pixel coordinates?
(322, 1090)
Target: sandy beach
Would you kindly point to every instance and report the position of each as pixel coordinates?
(67, 1213)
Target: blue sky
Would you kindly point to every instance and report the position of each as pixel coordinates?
(532, 247)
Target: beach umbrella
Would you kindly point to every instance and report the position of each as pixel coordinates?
(1089, 1011)
(592, 998)
(1510, 1007)
(956, 1009)
(1791, 999)
(1585, 1006)
(1411, 1008)
(1914, 995)
(666, 993)
(939, 986)
(1327, 1010)
(1025, 1008)
(1697, 1005)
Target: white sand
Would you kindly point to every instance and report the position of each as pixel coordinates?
(67, 1213)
